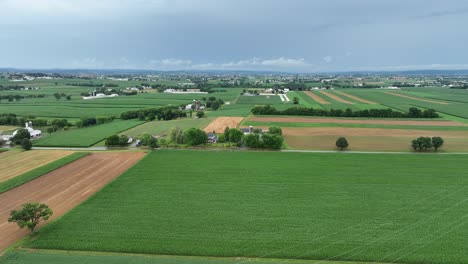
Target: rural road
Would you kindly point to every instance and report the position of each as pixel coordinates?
(284, 150)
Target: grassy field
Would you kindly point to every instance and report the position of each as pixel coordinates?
(164, 127)
(386, 208)
(60, 257)
(33, 174)
(85, 137)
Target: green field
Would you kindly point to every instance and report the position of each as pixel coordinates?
(365, 207)
(164, 127)
(85, 137)
(38, 172)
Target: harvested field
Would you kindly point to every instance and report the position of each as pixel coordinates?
(220, 123)
(358, 143)
(317, 98)
(14, 163)
(370, 132)
(63, 188)
(5, 128)
(359, 99)
(355, 121)
(416, 98)
(336, 98)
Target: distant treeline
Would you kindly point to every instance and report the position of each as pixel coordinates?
(160, 113)
(413, 112)
(93, 84)
(17, 97)
(11, 87)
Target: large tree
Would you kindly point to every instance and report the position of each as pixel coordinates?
(20, 135)
(437, 142)
(30, 215)
(342, 143)
(26, 144)
(195, 136)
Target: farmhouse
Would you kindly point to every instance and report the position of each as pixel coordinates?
(184, 91)
(35, 133)
(98, 96)
(251, 130)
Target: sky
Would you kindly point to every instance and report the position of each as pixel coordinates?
(264, 35)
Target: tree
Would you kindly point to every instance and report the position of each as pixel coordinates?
(26, 144)
(177, 135)
(112, 140)
(30, 215)
(235, 135)
(200, 114)
(252, 141)
(68, 97)
(272, 141)
(342, 143)
(20, 135)
(295, 100)
(123, 140)
(275, 130)
(226, 133)
(50, 130)
(437, 142)
(149, 140)
(57, 96)
(151, 117)
(195, 136)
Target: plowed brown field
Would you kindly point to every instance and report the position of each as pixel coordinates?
(356, 121)
(219, 124)
(63, 188)
(14, 163)
(317, 98)
(370, 132)
(359, 99)
(336, 98)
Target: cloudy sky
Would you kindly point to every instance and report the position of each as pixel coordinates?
(279, 35)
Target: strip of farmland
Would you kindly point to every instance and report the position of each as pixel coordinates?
(336, 98)
(16, 163)
(63, 188)
(416, 98)
(317, 98)
(359, 99)
(220, 123)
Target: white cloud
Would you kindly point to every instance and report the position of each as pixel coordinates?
(328, 59)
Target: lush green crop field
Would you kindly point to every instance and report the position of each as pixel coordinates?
(260, 99)
(453, 108)
(35, 173)
(60, 257)
(379, 207)
(164, 127)
(85, 137)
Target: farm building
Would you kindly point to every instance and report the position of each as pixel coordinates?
(98, 96)
(251, 130)
(35, 133)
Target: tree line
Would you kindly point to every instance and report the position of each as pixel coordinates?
(427, 143)
(17, 97)
(413, 112)
(160, 113)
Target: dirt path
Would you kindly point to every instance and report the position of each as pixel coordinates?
(355, 121)
(359, 99)
(336, 98)
(63, 188)
(219, 124)
(416, 98)
(317, 98)
(18, 163)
